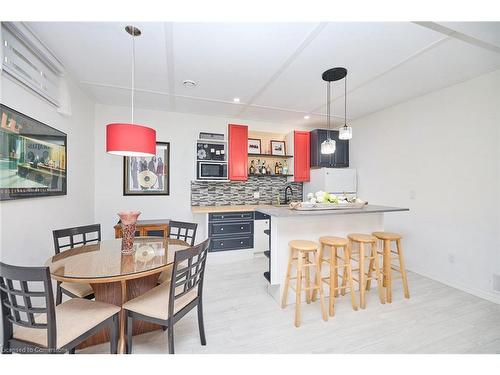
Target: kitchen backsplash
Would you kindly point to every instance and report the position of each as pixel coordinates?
(209, 193)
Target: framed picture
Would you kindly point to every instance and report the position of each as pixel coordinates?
(148, 175)
(254, 146)
(278, 148)
(32, 157)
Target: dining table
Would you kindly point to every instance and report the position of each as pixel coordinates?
(116, 277)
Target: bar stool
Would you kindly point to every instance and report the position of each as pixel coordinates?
(361, 240)
(300, 251)
(388, 267)
(336, 243)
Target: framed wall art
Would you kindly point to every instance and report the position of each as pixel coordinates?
(32, 157)
(278, 148)
(148, 175)
(254, 146)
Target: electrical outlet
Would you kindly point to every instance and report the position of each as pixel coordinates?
(451, 258)
(256, 194)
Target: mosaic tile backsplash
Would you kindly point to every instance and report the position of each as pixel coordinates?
(210, 193)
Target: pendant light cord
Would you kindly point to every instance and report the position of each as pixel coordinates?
(328, 107)
(133, 71)
(345, 101)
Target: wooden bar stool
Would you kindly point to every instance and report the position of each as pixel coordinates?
(388, 267)
(300, 251)
(336, 243)
(361, 240)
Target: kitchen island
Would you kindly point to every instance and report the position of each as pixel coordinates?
(287, 225)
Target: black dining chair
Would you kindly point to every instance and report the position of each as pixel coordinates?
(32, 324)
(179, 230)
(167, 303)
(77, 236)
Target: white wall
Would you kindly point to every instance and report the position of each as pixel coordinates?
(181, 130)
(27, 224)
(439, 155)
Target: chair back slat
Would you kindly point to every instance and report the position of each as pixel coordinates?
(71, 233)
(20, 311)
(184, 231)
(187, 277)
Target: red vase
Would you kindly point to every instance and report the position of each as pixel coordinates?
(128, 220)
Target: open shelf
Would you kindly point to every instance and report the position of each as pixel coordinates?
(267, 275)
(271, 156)
(270, 175)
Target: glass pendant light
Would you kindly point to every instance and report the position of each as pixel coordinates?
(345, 132)
(328, 146)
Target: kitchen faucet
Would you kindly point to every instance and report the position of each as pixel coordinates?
(286, 194)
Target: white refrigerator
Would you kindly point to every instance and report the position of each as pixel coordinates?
(332, 180)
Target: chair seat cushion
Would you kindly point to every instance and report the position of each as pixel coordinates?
(154, 303)
(79, 290)
(73, 318)
(165, 276)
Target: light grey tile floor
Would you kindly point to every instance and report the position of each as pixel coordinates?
(240, 317)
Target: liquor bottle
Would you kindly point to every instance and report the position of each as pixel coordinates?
(276, 169)
(259, 167)
(263, 171)
(285, 168)
(252, 167)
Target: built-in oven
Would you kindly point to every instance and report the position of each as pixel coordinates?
(211, 170)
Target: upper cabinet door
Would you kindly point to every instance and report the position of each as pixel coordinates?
(339, 159)
(302, 156)
(238, 152)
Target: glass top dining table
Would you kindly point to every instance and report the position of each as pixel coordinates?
(103, 262)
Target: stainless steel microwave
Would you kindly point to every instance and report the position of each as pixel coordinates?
(211, 170)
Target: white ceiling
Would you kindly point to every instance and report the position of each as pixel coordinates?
(274, 68)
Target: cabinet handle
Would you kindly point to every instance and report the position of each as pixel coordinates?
(241, 242)
(241, 227)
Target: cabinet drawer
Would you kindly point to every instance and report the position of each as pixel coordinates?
(235, 243)
(230, 216)
(234, 228)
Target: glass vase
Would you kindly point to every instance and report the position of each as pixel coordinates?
(128, 221)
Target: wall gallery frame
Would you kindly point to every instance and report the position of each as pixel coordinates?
(144, 176)
(278, 148)
(254, 146)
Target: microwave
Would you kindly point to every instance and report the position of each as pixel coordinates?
(211, 170)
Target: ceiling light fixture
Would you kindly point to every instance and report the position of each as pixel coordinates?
(307, 117)
(328, 146)
(131, 139)
(345, 132)
(236, 100)
(189, 83)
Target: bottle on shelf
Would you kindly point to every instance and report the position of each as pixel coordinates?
(252, 167)
(285, 167)
(263, 170)
(276, 168)
(259, 167)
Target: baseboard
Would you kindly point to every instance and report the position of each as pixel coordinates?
(489, 296)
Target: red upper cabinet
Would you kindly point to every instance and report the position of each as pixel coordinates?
(238, 152)
(302, 156)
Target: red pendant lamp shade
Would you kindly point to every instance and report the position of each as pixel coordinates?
(130, 140)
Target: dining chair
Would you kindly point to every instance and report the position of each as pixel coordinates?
(179, 230)
(88, 234)
(32, 324)
(167, 303)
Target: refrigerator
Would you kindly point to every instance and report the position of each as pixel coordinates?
(333, 180)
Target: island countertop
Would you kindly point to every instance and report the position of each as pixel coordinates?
(287, 212)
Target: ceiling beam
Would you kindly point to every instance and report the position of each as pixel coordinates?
(460, 36)
(310, 37)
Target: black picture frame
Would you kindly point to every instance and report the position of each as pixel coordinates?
(18, 133)
(133, 187)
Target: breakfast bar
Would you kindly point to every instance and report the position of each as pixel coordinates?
(288, 225)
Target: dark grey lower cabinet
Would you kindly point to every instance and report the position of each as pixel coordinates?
(230, 231)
